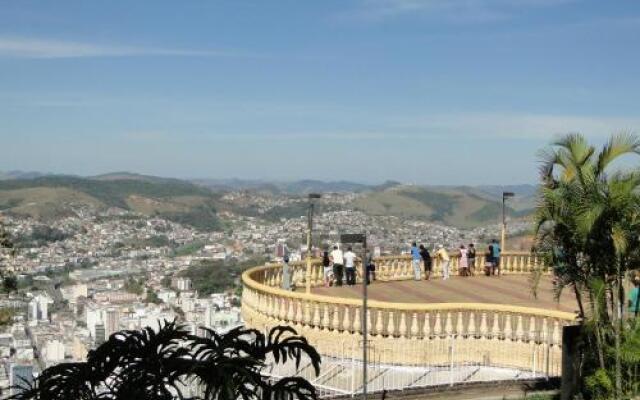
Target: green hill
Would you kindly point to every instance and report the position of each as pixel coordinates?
(456, 206)
(55, 196)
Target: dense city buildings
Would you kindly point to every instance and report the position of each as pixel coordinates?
(89, 274)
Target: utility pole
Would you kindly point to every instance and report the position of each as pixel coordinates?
(505, 196)
(362, 238)
(365, 310)
(307, 280)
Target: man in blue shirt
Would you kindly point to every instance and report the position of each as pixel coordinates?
(416, 259)
(496, 256)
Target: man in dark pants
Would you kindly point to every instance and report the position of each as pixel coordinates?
(426, 260)
(350, 266)
(371, 267)
(338, 265)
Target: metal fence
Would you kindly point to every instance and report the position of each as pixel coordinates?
(448, 361)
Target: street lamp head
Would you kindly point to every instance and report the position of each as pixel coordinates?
(315, 195)
(507, 194)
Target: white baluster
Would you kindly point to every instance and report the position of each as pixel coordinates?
(519, 329)
(426, 327)
(483, 325)
(316, 316)
(448, 327)
(495, 330)
(326, 322)
(414, 326)
(508, 332)
(346, 322)
(391, 326)
(471, 328)
(357, 322)
(379, 325)
(403, 324)
(556, 335)
(336, 318)
(437, 326)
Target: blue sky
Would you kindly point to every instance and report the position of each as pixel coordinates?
(423, 91)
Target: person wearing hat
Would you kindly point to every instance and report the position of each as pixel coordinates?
(443, 256)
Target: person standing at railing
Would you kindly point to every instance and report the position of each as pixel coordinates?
(426, 260)
(327, 269)
(370, 267)
(338, 265)
(416, 258)
(496, 256)
(443, 256)
(488, 261)
(472, 258)
(286, 273)
(350, 266)
(464, 261)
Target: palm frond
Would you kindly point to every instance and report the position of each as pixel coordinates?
(618, 145)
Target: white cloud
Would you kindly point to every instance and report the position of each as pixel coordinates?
(451, 10)
(19, 47)
(514, 126)
(468, 126)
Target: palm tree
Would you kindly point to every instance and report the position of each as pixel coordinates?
(588, 219)
(156, 365)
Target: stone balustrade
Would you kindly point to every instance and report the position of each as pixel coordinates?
(519, 337)
(396, 268)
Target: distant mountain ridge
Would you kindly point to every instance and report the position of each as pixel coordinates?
(20, 175)
(56, 195)
(304, 186)
(196, 202)
(461, 206)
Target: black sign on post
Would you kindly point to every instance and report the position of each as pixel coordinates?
(352, 238)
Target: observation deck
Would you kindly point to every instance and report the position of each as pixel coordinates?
(492, 322)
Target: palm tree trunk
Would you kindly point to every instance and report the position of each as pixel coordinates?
(618, 333)
(596, 315)
(578, 294)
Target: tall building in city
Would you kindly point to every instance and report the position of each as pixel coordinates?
(93, 316)
(182, 284)
(53, 352)
(111, 321)
(19, 375)
(39, 308)
(100, 335)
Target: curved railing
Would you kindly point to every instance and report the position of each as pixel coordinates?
(396, 268)
(507, 335)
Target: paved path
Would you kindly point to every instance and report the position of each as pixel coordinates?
(506, 289)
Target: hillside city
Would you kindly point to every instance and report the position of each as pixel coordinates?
(94, 272)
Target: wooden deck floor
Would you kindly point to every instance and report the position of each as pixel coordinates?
(507, 289)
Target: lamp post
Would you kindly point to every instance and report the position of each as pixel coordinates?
(307, 280)
(505, 196)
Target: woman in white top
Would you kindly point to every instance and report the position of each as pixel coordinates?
(464, 261)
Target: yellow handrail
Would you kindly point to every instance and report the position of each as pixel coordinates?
(251, 283)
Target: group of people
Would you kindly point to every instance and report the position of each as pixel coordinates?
(340, 267)
(420, 256)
